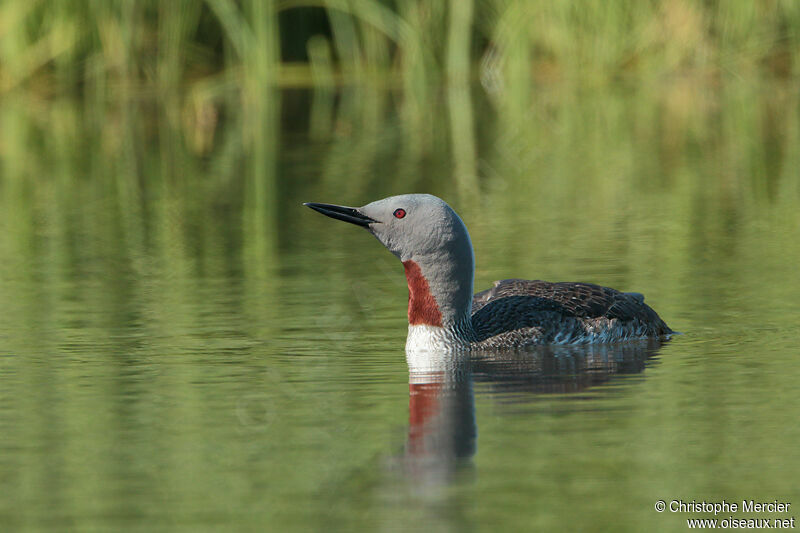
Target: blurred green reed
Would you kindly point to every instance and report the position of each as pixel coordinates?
(194, 55)
(68, 45)
(502, 90)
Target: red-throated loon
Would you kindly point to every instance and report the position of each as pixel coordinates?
(434, 246)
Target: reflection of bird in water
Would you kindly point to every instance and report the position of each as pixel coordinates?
(560, 369)
(434, 246)
(442, 430)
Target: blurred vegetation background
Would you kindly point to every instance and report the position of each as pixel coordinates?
(194, 55)
(109, 47)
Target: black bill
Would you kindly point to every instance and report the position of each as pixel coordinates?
(340, 212)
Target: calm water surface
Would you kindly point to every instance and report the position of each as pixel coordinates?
(184, 347)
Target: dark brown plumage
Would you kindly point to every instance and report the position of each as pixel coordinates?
(522, 312)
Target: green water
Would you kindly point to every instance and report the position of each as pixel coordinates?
(184, 347)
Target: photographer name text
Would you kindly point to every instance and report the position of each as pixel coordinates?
(747, 506)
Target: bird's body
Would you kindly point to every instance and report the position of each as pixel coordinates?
(521, 312)
(434, 246)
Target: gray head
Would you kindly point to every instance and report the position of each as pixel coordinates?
(433, 244)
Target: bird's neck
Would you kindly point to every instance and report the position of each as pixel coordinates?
(423, 309)
(439, 294)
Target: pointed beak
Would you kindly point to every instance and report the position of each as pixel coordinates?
(340, 212)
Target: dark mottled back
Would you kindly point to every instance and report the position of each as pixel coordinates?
(540, 306)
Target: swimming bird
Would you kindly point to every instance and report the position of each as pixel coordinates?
(433, 244)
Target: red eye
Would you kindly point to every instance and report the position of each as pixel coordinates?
(399, 213)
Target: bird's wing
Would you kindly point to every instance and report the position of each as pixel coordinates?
(523, 303)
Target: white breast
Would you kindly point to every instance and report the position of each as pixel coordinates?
(426, 345)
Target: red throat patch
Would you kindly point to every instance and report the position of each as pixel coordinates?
(422, 306)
